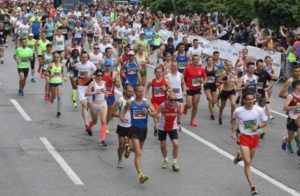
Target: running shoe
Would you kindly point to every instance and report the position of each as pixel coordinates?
(175, 167)
(289, 148)
(271, 117)
(2, 62)
(58, 114)
(237, 159)
(89, 131)
(107, 131)
(128, 149)
(299, 160)
(261, 134)
(283, 145)
(220, 120)
(143, 177)
(298, 152)
(297, 141)
(103, 142)
(212, 117)
(46, 98)
(33, 80)
(20, 93)
(253, 190)
(120, 164)
(193, 123)
(75, 105)
(165, 164)
(237, 101)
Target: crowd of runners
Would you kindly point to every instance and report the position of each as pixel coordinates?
(101, 50)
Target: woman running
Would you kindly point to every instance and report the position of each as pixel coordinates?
(97, 90)
(142, 61)
(73, 73)
(47, 59)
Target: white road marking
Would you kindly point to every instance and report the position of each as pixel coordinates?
(231, 157)
(280, 114)
(20, 109)
(61, 162)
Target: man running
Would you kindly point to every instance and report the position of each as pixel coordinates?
(139, 109)
(169, 111)
(194, 75)
(248, 119)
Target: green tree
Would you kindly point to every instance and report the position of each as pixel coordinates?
(241, 10)
(275, 13)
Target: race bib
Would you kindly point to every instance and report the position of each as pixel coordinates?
(64, 31)
(60, 42)
(297, 112)
(139, 114)
(24, 59)
(71, 74)
(196, 82)
(109, 90)
(30, 46)
(83, 74)
(182, 65)
(260, 85)
(132, 71)
(159, 92)
(56, 74)
(248, 124)
(211, 79)
(176, 90)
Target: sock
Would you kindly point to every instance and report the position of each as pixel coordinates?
(90, 126)
(174, 160)
(58, 103)
(74, 95)
(166, 158)
(103, 132)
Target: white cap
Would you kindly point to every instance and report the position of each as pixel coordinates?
(30, 34)
(131, 52)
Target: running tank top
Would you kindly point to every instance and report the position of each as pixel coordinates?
(293, 114)
(50, 29)
(220, 66)
(132, 73)
(211, 75)
(59, 43)
(159, 95)
(182, 61)
(138, 117)
(110, 87)
(251, 87)
(100, 88)
(175, 82)
(123, 102)
(48, 58)
(168, 119)
(55, 72)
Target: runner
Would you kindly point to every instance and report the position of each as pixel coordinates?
(3, 41)
(59, 43)
(56, 75)
(31, 43)
(139, 109)
(73, 74)
(85, 70)
(47, 59)
(169, 111)
(263, 87)
(41, 48)
(96, 57)
(292, 106)
(125, 145)
(142, 61)
(194, 75)
(49, 29)
(166, 65)
(230, 81)
(131, 70)
(23, 56)
(97, 89)
(248, 119)
(111, 81)
(159, 86)
(210, 88)
(181, 57)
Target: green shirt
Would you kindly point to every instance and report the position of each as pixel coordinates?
(144, 43)
(156, 40)
(23, 56)
(42, 46)
(31, 43)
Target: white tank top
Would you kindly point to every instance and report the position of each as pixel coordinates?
(175, 82)
(101, 88)
(127, 114)
(59, 43)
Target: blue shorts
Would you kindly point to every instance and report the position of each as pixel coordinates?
(53, 85)
(78, 41)
(110, 100)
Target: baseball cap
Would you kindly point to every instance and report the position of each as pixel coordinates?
(131, 52)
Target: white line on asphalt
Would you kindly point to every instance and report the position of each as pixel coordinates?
(64, 165)
(20, 110)
(231, 157)
(280, 114)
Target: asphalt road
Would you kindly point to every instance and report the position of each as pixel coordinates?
(28, 168)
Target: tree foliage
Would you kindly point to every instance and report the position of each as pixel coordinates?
(271, 13)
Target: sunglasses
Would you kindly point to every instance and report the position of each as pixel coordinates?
(96, 48)
(172, 99)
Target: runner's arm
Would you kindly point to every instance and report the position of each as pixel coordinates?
(89, 91)
(283, 91)
(286, 106)
(152, 111)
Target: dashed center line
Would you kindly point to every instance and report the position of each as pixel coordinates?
(20, 109)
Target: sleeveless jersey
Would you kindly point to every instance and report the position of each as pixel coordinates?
(159, 95)
(182, 61)
(138, 117)
(132, 72)
(175, 82)
(168, 119)
(293, 114)
(110, 87)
